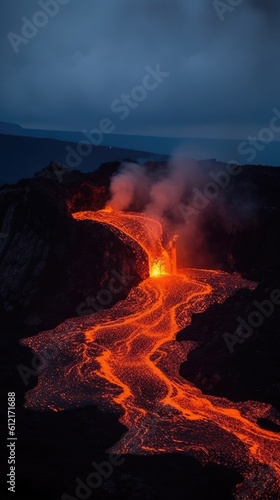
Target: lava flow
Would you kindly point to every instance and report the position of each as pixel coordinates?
(126, 359)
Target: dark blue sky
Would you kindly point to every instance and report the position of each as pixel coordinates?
(223, 73)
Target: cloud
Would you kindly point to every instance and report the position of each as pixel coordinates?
(222, 74)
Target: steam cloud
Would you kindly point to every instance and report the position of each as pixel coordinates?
(159, 191)
(129, 186)
(135, 186)
(162, 190)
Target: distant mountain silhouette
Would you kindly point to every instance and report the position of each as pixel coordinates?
(11, 129)
(25, 151)
(21, 157)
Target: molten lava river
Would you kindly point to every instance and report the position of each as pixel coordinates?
(125, 359)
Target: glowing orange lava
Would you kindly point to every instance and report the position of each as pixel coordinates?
(144, 231)
(157, 269)
(127, 359)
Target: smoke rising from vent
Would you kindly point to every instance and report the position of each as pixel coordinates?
(129, 187)
(162, 189)
(159, 192)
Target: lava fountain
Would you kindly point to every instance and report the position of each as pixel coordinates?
(126, 359)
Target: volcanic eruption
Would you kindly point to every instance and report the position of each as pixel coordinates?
(126, 359)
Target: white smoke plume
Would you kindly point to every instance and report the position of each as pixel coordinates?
(130, 186)
(158, 192)
(163, 189)
(137, 186)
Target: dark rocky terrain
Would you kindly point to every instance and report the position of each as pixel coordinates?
(245, 237)
(49, 264)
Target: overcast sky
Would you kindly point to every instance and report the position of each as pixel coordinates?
(223, 74)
